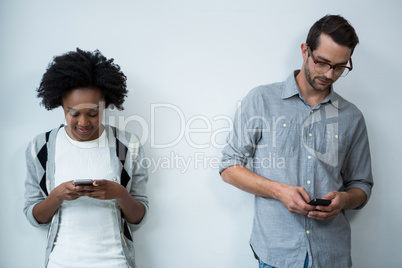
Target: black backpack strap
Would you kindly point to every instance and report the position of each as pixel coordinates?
(121, 152)
(42, 157)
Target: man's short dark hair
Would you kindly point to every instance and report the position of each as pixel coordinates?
(78, 69)
(337, 27)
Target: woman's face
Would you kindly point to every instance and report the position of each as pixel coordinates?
(83, 109)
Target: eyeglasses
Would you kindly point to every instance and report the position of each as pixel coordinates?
(323, 67)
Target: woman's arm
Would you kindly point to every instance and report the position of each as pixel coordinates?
(106, 190)
(44, 211)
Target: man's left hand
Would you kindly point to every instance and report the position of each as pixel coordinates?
(331, 211)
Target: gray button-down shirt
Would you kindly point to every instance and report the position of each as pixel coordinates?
(279, 136)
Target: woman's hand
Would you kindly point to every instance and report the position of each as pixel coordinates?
(44, 211)
(103, 189)
(100, 189)
(68, 191)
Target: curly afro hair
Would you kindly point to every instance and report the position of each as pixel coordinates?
(76, 69)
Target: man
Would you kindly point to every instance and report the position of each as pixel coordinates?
(298, 140)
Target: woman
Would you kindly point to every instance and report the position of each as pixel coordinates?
(90, 225)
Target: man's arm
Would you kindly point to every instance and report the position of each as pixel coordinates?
(354, 198)
(357, 164)
(350, 199)
(294, 198)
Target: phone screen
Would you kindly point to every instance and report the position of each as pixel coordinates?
(320, 202)
(82, 182)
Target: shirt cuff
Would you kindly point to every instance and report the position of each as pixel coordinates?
(366, 188)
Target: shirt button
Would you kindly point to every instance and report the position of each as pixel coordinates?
(310, 134)
(336, 136)
(309, 157)
(308, 232)
(284, 125)
(309, 182)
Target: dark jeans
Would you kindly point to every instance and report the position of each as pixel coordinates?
(264, 265)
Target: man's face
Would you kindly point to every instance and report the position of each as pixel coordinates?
(83, 109)
(330, 52)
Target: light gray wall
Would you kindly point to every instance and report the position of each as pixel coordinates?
(201, 58)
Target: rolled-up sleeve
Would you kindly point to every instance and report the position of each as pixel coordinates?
(248, 125)
(356, 170)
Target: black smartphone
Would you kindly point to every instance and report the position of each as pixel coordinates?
(82, 182)
(319, 202)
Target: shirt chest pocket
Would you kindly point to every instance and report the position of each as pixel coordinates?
(322, 140)
(323, 137)
(285, 138)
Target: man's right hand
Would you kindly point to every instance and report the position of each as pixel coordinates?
(295, 199)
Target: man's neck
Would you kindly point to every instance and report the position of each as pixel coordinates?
(311, 95)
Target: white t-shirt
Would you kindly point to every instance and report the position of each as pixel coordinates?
(88, 233)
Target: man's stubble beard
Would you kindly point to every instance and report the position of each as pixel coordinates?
(311, 80)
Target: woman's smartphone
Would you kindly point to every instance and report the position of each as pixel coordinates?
(319, 202)
(81, 182)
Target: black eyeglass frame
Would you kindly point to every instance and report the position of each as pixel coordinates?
(330, 65)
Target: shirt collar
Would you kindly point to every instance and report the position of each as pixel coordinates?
(292, 89)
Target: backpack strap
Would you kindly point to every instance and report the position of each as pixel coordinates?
(121, 152)
(42, 157)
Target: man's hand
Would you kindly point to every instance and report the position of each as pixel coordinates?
(338, 201)
(350, 199)
(295, 199)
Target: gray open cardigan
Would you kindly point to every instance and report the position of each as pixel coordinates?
(126, 153)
